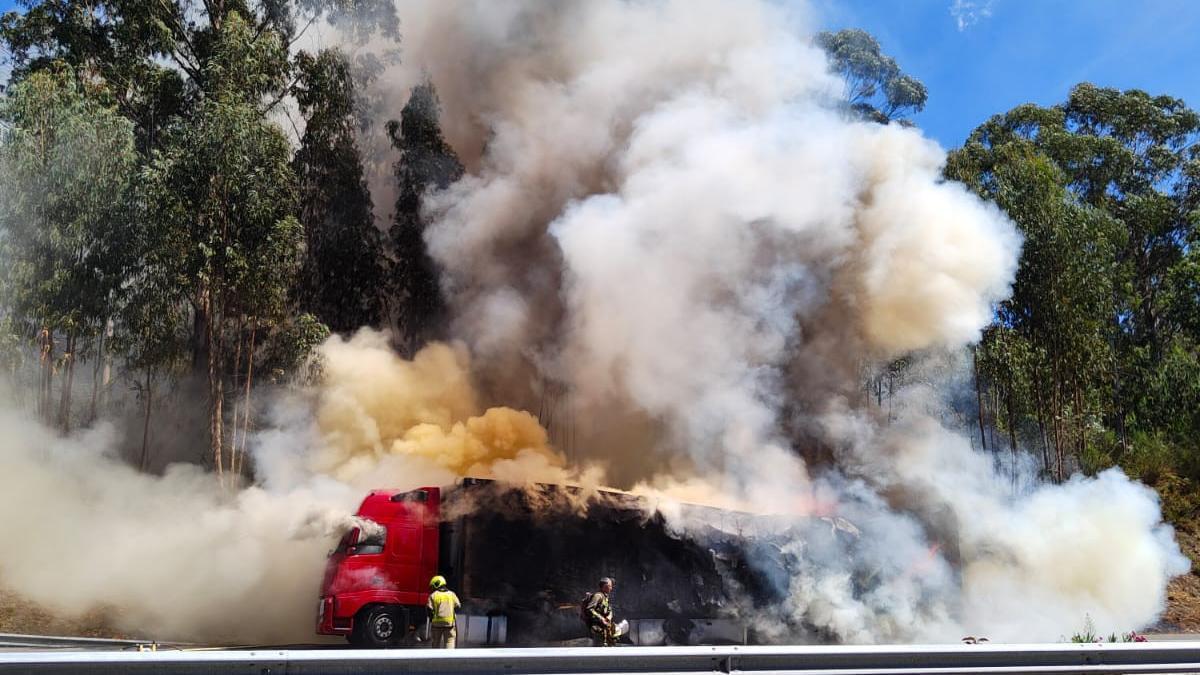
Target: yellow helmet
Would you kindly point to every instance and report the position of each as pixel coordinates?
(437, 582)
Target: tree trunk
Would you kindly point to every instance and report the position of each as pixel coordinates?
(216, 14)
(1058, 434)
(94, 407)
(201, 335)
(240, 453)
(995, 408)
(106, 379)
(1118, 393)
(1081, 421)
(45, 375)
(1012, 424)
(1041, 419)
(237, 403)
(145, 461)
(216, 391)
(979, 397)
(64, 401)
(1012, 430)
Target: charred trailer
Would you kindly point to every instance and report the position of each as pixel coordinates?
(522, 559)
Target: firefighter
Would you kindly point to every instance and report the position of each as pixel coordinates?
(442, 603)
(597, 612)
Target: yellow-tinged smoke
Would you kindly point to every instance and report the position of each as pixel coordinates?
(177, 557)
(473, 446)
(383, 419)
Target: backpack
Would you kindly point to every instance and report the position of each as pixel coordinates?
(584, 615)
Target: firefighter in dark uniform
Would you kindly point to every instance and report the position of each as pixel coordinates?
(599, 615)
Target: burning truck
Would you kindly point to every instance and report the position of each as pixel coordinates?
(521, 559)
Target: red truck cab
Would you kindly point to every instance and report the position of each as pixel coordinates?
(377, 579)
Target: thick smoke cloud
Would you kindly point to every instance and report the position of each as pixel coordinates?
(180, 557)
(171, 556)
(673, 245)
(670, 228)
(382, 420)
(667, 211)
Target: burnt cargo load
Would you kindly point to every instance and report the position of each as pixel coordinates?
(522, 559)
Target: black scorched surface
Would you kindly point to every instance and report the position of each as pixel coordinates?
(535, 552)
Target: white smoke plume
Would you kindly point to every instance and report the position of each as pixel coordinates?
(171, 557)
(669, 228)
(180, 557)
(671, 238)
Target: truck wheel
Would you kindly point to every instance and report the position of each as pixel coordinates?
(377, 627)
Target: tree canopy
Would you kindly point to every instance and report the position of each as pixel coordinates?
(170, 215)
(876, 88)
(1104, 188)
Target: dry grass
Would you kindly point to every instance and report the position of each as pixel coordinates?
(18, 615)
(1183, 595)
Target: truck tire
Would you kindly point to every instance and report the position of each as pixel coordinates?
(377, 627)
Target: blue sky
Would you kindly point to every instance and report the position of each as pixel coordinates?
(982, 57)
(1009, 52)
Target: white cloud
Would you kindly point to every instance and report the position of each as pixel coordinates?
(970, 12)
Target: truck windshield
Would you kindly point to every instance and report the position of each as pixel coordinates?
(369, 538)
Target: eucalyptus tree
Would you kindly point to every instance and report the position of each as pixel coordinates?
(342, 280)
(223, 193)
(150, 58)
(204, 85)
(66, 161)
(1104, 188)
(426, 163)
(876, 88)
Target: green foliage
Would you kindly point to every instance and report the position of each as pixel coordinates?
(221, 198)
(426, 163)
(153, 192)
(1050, 344)
(1103, 188)
(1182, 301)
(1149, 458)
(66, 164)
(875, 86)
(1100, 453)
(155, 60)
(221, 195)
(11, 355)
(1164, 465)
(292, 352)
(342, 280)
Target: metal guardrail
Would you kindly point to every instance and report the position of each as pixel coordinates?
(1178, 657)
(13, 640)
